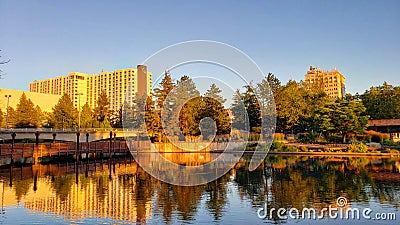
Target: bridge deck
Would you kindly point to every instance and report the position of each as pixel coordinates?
(9, 151)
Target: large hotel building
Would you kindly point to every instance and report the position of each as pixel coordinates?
(84, 88)
(331, 82)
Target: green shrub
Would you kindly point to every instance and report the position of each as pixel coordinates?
(290, 148)
(357, 148)
(276, 147)
(278, 137)
(390, 142)
(254, 137)
(304, 149)
(307, 137)
(377, 136)
(334, 139)
(281, 147)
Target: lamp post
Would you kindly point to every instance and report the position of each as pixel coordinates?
(8, 101)
(79, 110)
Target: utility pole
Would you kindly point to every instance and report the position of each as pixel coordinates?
(8, 101)
(79, 110)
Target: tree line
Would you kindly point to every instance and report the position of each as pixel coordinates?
(299, 108)
(63, 115)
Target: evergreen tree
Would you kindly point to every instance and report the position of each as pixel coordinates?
(273, 82)
(240, 119)
(25, 114)
(116, 119)
(39, 116)
(253, 108)
(161, 93)
(1, 117)
(87, 118)
(152, 119)
(215, 109)
(134, 114)
(266, 92)
(102, 111)
(11, 116)
(183, 96)
(215, 93)
(64, 114)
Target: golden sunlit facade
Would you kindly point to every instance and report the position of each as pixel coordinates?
(84, 88)
(100, 196)
(46, 102)
(331, 82)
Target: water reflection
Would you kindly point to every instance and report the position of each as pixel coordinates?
(120, 191)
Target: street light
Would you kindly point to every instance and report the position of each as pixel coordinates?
(8, 101)
(79, 110)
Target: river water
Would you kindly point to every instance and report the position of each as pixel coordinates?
(120, 192)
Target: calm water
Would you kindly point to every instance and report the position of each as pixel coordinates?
(120, 192)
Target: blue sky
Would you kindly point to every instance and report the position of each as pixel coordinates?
(48, 38)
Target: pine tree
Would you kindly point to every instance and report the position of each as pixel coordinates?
(87, 120)
(64, 113)
(117, 118)
(1, 118)
(215, 93)
(184, 91)
(165, 88)
(102, 111)
(266, 92)
(253, 108)
(239, 113)
(161, 93)
(25, 114)
(38, 120)
(11, 116)
(214, 108)
(152, 119)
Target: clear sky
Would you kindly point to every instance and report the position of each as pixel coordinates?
(44, 39)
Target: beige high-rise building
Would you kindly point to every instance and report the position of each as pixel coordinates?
(84, 88)
(331, 82)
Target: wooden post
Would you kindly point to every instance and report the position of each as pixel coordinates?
(37, 137)
(77, 145)
(54, 138)
(109, 149)
(87, 145)
(12, 145)
(115, 141)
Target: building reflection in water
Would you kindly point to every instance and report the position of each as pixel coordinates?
(122, 191)
(97, 195)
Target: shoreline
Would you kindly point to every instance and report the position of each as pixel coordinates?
(339, 154)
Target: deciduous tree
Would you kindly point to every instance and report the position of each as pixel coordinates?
(342, 118)
(382, 102)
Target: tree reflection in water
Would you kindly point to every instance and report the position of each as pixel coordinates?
(130, 194)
